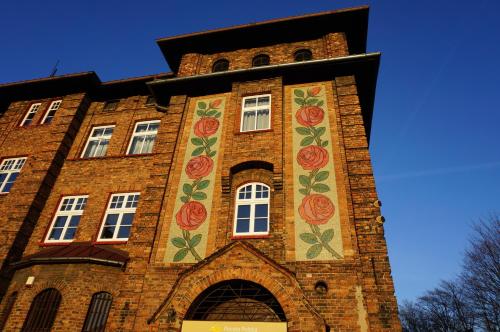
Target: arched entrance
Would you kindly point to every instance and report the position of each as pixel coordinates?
(236, 300)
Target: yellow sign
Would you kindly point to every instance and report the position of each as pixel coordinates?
(216, 326)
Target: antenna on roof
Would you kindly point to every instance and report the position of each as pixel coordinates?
(54, 70)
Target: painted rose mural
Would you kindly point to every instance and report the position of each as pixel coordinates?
(315, 199)
(187, 238)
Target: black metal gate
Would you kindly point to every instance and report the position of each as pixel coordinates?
(98, 312)
(43, 311)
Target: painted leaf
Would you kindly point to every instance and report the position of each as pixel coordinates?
(312, 101)
(306, 141)
(184, 199)
(195, 240)
(217, 115)
(179, 242)
(187, 189)
(309, 238)
(211, 113)
(203, 184)
(198, 151)
(197, 141)
(212, 141)
(324, 143)
(200, 113)
(299, 93)
(327, 235)
(303, 130)
(179, 256)
(299, 101)
(199, 196)
(304, 180)
(314, 251)
(212, 154)
(320, 188)
(320, 103)
(320, 131)
(303, 191)
(322, 176)
(202, 105)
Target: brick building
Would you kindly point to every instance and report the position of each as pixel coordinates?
(233, 194)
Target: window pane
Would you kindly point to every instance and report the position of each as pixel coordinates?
(70, 234)
(248, 121)
(55, 234)
(60, 221)
(132, 201)
(260, 225)
(243, 211)
(154, 126)
(263, 101)
(148, 144)
(250, 102)
(263, 119)
(97, 132)
(111, 219)
(108, 131)
(261, 210)
(74, 221)
(124, 232)
(127, 218)
(242, 225)
(117, 202)
(101, 149)
(141, 128)
(136, 145)
(3, 176)
(107, 232)
(91, 148)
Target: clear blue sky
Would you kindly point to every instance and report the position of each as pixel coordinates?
(436, 128)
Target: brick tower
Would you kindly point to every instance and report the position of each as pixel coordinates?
(233, 194)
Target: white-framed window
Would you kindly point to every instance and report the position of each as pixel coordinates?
(51, 111)
(98, 141)
(9, 171)
(67, 218)
(28, 118)
(251, 216)
(119, 217)
(144, 137)
(256, 113)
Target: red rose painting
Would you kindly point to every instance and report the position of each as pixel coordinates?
(312, 157)
(199, 167)
(191, 215)
(310, 115)
(316, 209)
(206, 127)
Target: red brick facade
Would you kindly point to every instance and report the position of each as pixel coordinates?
(360, 292)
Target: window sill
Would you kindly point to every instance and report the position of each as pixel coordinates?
(254, 131)
(122, 156)
(52, 244)
(110, 242)
(245, 237)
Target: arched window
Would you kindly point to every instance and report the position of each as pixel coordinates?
(302, 55)
(98, 312)
(260, 60)
(43, 311)
(251, 216)
(220, 65)
(9, 305)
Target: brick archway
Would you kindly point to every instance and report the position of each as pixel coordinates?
(241, 261)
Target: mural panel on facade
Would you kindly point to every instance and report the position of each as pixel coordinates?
(317, 221)
(187, 240)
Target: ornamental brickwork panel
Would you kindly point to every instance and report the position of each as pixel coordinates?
(187, 239)
(317, 221)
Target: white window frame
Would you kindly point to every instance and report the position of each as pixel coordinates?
(144, 133)
(34, 108)
(100, 138)
(255, 109)
(54, 106)
(252, 201)
(120, 211)
(72, 212)
(10, 166)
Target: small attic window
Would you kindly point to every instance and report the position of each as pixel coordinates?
(302, 55)
(110, 105)
(150, 100)
(260, 60)
(220, 65)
